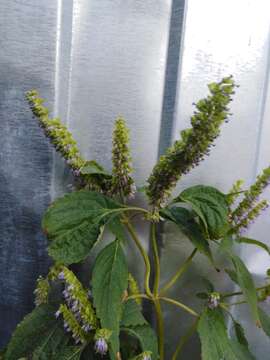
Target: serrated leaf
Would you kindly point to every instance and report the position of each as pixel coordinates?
(249, 241)
(132, 315)
(210, 205)
(245, 281)
(265, 321)
(55, 340)
(214, 339)
(240, 333)
(31, 331)
(73, 224)
(147, 338)
(109, 281)
(68, 353)
(185, 220)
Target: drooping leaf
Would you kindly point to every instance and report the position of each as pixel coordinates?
(93, 168)
(185, 220)
(132, 315)
(210, 205)
(233, 275)
(265, 321)
(214, 339)
(245, 281)
(73, 224)
(249, 241)
(240, 333)
(146, 337)
(31, 332)
(109, 281)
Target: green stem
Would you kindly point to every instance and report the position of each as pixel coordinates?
(156, 259)
(236, 293)
(160, 328)
(138, 296)
(178, 273)
(144, 255)
(184, 339)
(182, 306)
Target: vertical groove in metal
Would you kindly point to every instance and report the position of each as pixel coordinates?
(171, 76)
(262, 118)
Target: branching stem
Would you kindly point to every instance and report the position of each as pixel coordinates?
(178, 273)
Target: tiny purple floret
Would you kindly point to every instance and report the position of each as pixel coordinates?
(101, 346)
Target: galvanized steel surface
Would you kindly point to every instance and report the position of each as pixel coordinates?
(95, 59)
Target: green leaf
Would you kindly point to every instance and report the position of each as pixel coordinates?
(245, 281)
(185, 220)
(109, 281)
(132, 315)
(93, 168)
(73, 224)
(265, 321)
(146, 337)
(210, 205)
(240, 333)
(68, 353)
(56, 339)
(214, 339)
(202, 295)
(253, 242)
(30, 333)
(233, 275)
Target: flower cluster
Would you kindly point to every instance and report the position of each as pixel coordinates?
(133, 288)
(249, 208)
(101, 341)
(122, 182)
(42, 291)
(78, 313)
(63, 142)
(194, 144)
(235, 192)
(213, 300)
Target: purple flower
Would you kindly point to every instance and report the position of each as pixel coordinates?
(146, 357)
(57, 314)
(61, 276)
(101, 346)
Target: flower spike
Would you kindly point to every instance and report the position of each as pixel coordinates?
(194, 144)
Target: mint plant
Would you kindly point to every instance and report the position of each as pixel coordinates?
(103, 318)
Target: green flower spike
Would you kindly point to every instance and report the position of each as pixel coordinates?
(63, 142)
(42, 291)
(78, 301)
(235, 192)
(194, 144)
(134, 288)
(71, 324)
(252, 195)
(122, 182)
(250, 217)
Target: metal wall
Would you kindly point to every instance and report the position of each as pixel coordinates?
(96, 59)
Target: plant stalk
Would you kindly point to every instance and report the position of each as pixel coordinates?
(182, 306)
(156, 259)
(144, 255)
(160, 328)
(178, 273)
(184, 339)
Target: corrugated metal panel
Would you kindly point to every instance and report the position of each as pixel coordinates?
(94, 60)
